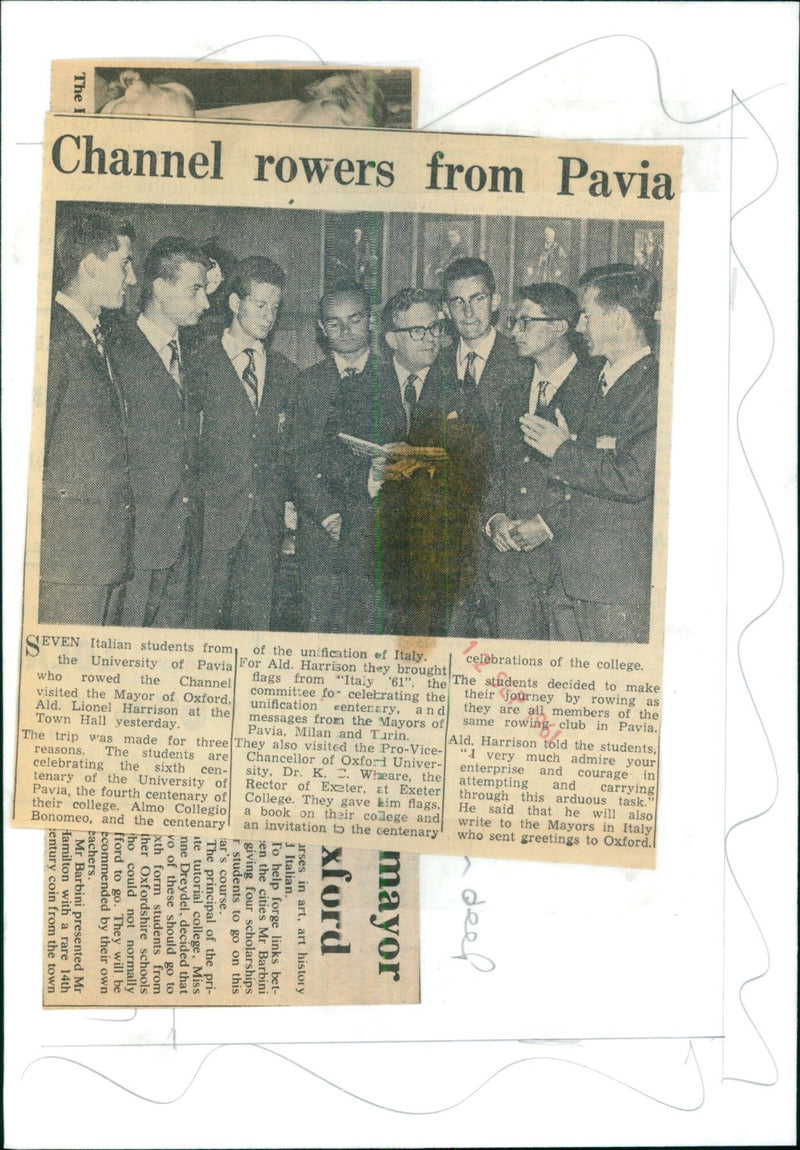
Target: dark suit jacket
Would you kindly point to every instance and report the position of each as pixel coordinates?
(521, 485)
(163, 428)
(503, 369)
(87, 524)
(244, 455)
(608, 473)
(429, 522)
(327, 476)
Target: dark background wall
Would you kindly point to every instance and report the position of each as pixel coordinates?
(391, 250)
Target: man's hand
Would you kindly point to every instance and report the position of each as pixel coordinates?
(333, 526)
(545, 436)
(530, 533)
(501, 529)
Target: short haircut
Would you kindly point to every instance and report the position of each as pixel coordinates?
(86, 232)
(623, 285)
(345, 287)
(467, 267)
(402, 301)
(254, 270)
(354, 92)
(555, 300)
(165, 260)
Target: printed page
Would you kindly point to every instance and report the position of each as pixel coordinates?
(409, 736)
(174, 920)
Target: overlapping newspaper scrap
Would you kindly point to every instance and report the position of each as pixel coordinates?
(158, 920)
(535, 750)
(349, 95)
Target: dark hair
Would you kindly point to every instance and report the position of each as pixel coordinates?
(351, 91)
(164, 262)
(465, 268)
(623, 285)
(254, 270)
(83, 233)
(555, 300)
(345, 287)
(402, 301)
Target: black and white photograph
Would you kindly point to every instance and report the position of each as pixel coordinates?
(351, 422)
(330, 97)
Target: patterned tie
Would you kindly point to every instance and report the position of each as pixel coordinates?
(410, 398)
(544, 394)
(175, 364)
(100, 344)
(250, 379)
(99, 340)
(348, 373)
(604, 385)
(469, 371)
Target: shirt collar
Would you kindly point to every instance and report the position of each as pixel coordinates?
(555, 378)
(614, 371)
(343, 365)
(482, 349)
(403, 373)
(87, 322)
(234, 347)
(155, 334)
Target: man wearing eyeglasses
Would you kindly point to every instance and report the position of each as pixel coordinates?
(330, 483)
(426, 511)
(247, 390)
(525, 507)
(606, 467)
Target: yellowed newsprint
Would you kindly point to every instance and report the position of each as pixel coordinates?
(346, 95)
(176, 920)
(452, 639)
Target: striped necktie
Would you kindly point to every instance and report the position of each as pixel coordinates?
(250, 379)
(174, 368)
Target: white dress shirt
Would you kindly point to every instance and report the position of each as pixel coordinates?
(237, 354)
(482, 349)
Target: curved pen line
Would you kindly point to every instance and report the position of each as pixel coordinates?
(262, 36)
(756, 618)
(95, 1018)
(584, 44)
(379, 1105)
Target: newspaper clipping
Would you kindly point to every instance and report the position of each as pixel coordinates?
(358, 536)
(176, 920)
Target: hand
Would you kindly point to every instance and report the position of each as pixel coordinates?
(545, 436)
(500, 530)
(333, 526)
(530, 533)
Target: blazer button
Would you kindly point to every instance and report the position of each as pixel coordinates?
(523, 490)
(249, 494)
(527, 459)
(567, 495)
(185, 499)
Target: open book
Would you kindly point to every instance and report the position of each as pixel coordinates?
(389, 451)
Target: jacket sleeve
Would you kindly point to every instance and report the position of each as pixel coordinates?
(624, 472)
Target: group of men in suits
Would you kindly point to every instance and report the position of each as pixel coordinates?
(501, 486)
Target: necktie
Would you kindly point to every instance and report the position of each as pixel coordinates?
(469, 371)
(410, 397)
(99, 340)
(175, 364)
(100, 344)
(545, 393)
(250, 379)
(604, 385)
(348, 373)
